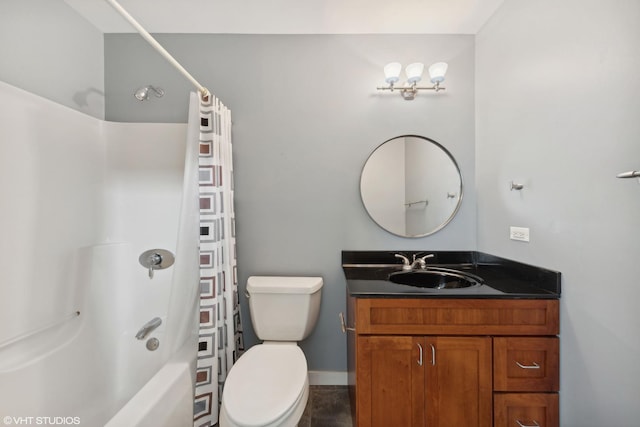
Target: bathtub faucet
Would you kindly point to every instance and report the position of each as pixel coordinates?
(148, 327)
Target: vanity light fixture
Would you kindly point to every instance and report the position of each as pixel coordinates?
(414, 75)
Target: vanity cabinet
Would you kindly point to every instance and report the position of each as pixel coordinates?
(445, 362)
(405, 375)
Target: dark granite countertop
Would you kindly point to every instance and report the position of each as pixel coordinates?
(367, 272)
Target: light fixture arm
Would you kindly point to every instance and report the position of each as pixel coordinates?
(410, 92)
(391, 87)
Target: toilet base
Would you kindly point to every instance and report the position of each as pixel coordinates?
(290, 419)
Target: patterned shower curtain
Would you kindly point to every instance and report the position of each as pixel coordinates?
(220, 338)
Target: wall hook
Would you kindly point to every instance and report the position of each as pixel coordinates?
(630, 174)
(515, 186)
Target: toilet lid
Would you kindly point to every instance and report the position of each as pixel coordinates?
(264, 384)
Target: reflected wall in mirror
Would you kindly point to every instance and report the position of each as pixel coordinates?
(411, 186)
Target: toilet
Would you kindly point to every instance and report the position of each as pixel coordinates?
(269, 386)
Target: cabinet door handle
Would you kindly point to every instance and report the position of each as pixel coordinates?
(534, 366)
(343, 325)
(420, 359)
(535, 424)
(433, 355)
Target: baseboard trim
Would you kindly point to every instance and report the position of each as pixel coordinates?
(327, 378)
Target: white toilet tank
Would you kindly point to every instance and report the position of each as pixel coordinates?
(284, 308)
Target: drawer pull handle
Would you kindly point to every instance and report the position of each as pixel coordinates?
(420, 359)
(534, 366)
(535, 424)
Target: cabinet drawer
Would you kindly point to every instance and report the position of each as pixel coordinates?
(526, 364)
(440, 316)
(526, 410)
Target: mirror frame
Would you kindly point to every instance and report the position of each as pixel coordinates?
(453, 161)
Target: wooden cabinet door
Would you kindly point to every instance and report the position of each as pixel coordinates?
(390, 381)
(458, 381)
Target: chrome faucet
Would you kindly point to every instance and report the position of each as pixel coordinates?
(148, 327)
(418, 262)
(406, 264)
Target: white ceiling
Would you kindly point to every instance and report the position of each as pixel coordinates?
(293, 16)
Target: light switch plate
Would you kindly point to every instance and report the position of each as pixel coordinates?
(519, 233)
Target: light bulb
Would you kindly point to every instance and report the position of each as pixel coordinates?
(414, 72)
(437, 72)
(392, 72)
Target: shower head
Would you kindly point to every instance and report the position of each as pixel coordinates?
(142, 94)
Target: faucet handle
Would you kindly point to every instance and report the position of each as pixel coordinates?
(156, 259)
(406, 264)
(422, 260)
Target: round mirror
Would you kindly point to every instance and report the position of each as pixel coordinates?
(411, 186)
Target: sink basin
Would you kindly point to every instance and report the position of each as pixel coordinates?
(435, 279)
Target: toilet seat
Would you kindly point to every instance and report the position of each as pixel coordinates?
(267, 386)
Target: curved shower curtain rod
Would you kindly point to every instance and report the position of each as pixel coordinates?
(204, 92)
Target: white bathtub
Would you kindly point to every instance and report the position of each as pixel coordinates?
(166, 400)
(82, 199)
(90, 367)
(73, 390)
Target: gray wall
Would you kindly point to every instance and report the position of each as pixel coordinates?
(306, 116)
(558, 110)
(48, 49)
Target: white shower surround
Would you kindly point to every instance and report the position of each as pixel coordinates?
(82, 198)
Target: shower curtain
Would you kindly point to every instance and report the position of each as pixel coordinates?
(220, 337)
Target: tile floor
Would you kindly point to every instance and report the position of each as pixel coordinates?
(328, 406)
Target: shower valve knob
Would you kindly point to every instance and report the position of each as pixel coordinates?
(156, 259)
